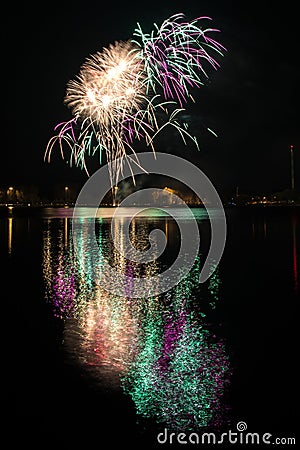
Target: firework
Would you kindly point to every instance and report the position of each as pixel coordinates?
(131, 91)
(175, 56)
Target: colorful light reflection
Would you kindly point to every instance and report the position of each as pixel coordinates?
(181, 370)
(160, 350)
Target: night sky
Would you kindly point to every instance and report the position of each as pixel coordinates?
(251, 102)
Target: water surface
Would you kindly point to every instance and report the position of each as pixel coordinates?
(197, 357)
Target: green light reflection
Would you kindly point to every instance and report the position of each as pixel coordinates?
(160, 350)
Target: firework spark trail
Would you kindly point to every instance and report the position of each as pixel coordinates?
(173, 57)
(121, 94)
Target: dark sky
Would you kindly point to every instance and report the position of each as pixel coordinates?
(251, 102)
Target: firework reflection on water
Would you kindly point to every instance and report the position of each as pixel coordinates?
(160, 350)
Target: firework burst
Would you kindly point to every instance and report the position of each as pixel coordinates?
(176, 54)
(122, 93)
(109, 84)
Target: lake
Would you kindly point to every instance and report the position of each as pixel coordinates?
(110, 370)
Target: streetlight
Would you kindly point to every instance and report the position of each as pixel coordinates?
(10, 192)
(66, 194)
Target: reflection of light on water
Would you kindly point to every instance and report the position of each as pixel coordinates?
(158, 349)
(213, 286)
(167, 228)
(102, 336)
(260, 228)
(265, 228)
(66, 230)
(180, 371)
(59, 282)
(9, 234)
